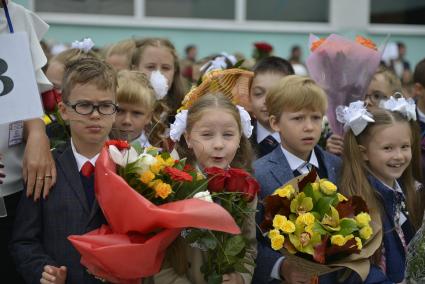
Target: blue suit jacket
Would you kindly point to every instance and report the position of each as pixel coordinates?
(41, 228)
(272, 171)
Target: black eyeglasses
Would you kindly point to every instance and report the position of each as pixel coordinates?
(87, 108)
(376, 97)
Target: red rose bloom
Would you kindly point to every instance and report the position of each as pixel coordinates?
(177, 175)
(252, 189)
(50, 99)
(217, 179)
(237, 180)
(241, 181)
(120, 144)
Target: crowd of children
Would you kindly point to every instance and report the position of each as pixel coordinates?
(133, 91)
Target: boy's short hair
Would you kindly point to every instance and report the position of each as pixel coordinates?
(294, 93)
(419, 73)
(88, 71)
(273, 64)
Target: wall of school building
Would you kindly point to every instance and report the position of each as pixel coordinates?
(346, 17)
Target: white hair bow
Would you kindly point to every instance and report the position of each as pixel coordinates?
(159, 83)
(85, 45)
(355, 116)
(405, 107)
(219, 63)
(179, 126)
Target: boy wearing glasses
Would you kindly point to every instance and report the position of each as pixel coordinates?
(39, 243)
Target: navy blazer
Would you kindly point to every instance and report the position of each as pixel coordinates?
(395, 256)
(41, 228)
(272, 171)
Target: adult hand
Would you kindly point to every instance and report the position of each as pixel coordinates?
(335, 144)
(38, 166)
(53, 275)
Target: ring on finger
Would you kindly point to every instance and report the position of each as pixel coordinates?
(40, 178)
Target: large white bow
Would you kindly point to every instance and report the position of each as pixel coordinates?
(405, 107)
(179, 126)
(354, 116)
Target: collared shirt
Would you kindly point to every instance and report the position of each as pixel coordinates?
(81, 160)
(421, 115)
(144, 142)
(296, 163)
(262, 133)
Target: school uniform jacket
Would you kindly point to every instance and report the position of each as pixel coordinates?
(272, 171)
(42, 227)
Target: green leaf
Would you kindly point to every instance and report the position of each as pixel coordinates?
(215, 278)
(234, 245)
(318, 228)
(347, 226)
(137, 146)
(324, 205)
(239, 267)
(238, 64)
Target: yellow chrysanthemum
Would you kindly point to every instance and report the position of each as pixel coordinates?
(366, 232)
(327, 187)
(363, 219)
(273, 233)
(278, 221)
(341, 197)
(147, 177)
(338, 240)
(162, 190)
(285, 191)
(277, 242)
(305, 219)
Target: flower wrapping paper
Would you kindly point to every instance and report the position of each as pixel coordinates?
(134, 242)
(344, 69)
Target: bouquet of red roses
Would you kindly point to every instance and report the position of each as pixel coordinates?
(235, 190)
(134, 242)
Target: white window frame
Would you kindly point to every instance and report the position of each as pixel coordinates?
(338, 15)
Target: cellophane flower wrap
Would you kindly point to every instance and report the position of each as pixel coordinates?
(235, 190)
(415, 259)
(344, 69)
(307, 218)
(146, 197)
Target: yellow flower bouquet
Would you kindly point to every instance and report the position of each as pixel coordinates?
(313, 224)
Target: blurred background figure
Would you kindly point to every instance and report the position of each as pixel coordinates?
(119, 54)
(400, 65)
(186, 64)
(295, 60)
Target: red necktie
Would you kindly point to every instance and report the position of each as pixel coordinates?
(88, 169)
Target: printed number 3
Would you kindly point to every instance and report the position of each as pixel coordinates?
(6, 81)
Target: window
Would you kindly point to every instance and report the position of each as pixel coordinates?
(205, 9)
(288, 10)
(102, 7)
(410, 12)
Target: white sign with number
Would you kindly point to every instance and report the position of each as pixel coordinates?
(19, 97)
